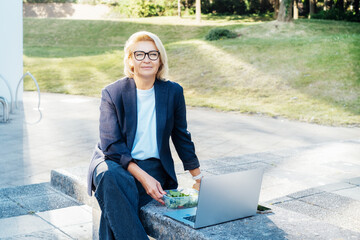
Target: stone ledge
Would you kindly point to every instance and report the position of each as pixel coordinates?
(72, 181)
(280, 224)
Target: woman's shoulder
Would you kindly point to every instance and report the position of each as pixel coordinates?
(120, 83)
(172, 85)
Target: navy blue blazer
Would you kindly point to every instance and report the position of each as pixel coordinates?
(118, 122)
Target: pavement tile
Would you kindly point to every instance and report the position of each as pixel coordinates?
(47, 234)
(355, 181)
(335, 186)
(304, 193)
(46, 202)
(327, 215)
(228, 169)
(86, 208)
(81, 231)
(326, 200)
(21, 225)
(244, 159)
(67, 216)
(9, 208)
(27, 190)
(353, 193)
(279, 200)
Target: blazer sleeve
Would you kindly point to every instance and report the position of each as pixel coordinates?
(180, 135)
(112, 140)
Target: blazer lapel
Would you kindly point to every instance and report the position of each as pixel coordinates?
(130, 109)
(161, 98)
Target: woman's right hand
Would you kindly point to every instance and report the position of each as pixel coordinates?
(153, 188)
(151, 185)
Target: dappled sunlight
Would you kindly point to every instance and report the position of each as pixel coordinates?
(294, 70)
(190, 21)
(223, 79)
(231, 70)
(273, 30)
(76, 75)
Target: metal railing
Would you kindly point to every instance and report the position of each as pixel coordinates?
(6, 105)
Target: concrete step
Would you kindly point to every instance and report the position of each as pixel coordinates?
(39, 211)
(302, 214)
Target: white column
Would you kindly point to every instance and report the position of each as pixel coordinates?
(11, 47)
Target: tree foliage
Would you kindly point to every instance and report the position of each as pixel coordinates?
(321, 9)
(219, 34)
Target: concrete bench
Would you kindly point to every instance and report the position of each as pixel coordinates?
(279, 224)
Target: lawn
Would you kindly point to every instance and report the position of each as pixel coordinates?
(307, 70)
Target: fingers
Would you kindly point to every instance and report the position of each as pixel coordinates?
(196, 186)
(160, 193)
(157, 196)
(160, 189)
(155, 191)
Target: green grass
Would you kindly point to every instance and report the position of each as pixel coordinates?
(307, 70)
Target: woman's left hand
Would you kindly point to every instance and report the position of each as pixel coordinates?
(197, 185)
(196, 172)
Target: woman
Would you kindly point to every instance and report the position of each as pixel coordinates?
(132, 163)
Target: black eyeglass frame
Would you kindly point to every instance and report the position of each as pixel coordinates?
(148, 54)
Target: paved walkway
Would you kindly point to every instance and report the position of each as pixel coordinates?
(68, 131)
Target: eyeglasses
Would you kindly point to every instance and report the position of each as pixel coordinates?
(140, 55)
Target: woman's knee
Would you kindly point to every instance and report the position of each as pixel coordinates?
(105, 171)
(110, 171)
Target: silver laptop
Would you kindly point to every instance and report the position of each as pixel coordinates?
(223, 198)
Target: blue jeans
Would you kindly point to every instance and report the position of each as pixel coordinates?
(120, 197)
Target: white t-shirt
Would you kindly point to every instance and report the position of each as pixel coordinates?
(145, 143)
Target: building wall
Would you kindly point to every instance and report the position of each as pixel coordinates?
(11, 46)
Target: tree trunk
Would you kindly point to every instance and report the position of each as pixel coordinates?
(179, 8)
(285, 11)
(312, 8)
(198, 11)
(276, 8)
(356, 6)
(296, 10)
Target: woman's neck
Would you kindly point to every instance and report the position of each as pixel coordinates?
(144, 83)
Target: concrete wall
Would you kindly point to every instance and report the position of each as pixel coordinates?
(11, 46)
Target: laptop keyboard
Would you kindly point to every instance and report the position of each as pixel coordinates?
(191, 218)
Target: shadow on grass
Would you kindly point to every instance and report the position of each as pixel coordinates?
(59, 38)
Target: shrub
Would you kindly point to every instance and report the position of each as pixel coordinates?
(219, 34)
(337, 14)
(50, 1)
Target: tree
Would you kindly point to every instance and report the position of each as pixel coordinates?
(198, 10)
(285, 11)
(356, 6)
(312, 7)
(296, 10)
(179, 8)
(276, 8)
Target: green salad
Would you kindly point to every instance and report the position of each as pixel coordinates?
(181, 198)
(176, 193)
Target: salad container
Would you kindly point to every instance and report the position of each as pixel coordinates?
(181, 198)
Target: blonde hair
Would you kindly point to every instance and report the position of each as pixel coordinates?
(129, 49)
